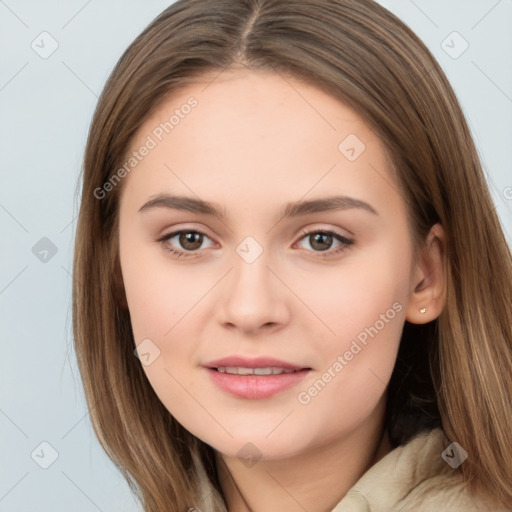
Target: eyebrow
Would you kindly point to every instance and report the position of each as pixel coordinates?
(293, 209)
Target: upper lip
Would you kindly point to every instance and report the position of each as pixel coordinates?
(258, 362)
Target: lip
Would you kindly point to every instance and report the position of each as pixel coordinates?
(257, 362)
(254, 387)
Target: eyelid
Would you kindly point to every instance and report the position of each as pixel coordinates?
(180, 229)
(316, 229)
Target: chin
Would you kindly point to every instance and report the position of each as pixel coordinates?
(257, 447)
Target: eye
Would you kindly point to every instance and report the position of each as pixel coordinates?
(321, 241)
(191, 241)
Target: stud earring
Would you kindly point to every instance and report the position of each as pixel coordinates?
(422, 310)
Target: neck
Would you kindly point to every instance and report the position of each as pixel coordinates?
(314, 479)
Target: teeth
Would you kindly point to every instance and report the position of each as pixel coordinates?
(253, 371)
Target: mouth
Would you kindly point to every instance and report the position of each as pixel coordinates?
(255, 383)
(254, 377)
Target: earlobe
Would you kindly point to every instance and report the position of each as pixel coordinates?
(427, 297)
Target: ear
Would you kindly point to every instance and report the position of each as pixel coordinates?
(429, 279)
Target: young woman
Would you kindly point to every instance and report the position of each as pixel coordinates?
(292, 290)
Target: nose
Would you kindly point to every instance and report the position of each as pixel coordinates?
(253, 296)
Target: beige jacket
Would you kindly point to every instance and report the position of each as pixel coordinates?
(413, 478)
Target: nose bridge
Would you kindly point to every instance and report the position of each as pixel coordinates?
(254, 296)
(251, 279)
(251, 270)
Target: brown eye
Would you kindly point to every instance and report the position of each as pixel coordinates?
(185, 243)
(321, 242)
(190, 240)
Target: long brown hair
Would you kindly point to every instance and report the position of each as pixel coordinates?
(366, 57)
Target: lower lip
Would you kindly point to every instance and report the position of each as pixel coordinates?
(255, 386)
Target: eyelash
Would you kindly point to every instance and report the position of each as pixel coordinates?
(345, 242)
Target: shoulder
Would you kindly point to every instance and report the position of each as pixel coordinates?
(415, 477)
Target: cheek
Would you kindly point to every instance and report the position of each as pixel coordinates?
(365, 313)
(353, 298)
(161, 304)
(345, 392)
(159, 294)
(166, 302)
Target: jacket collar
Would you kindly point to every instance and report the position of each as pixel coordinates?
(412, 477)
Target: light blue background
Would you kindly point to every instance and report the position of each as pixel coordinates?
(46, 106)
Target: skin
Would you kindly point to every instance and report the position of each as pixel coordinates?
(254, 142)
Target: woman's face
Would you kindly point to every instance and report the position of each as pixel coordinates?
(333, 302)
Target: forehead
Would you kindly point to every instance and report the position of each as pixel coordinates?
(256, 135)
